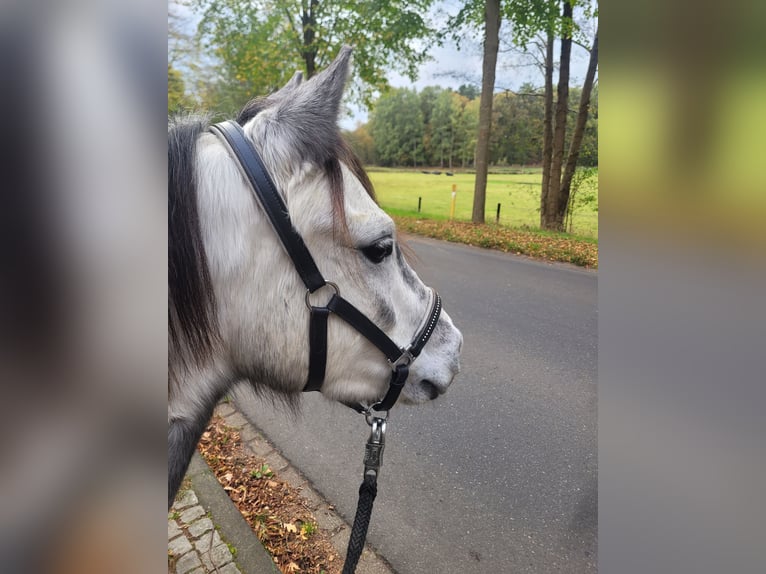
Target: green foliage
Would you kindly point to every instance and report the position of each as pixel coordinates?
(177, 98)
(260, 43)
(469, 91)
(237, 35)
(435, 127)
(532, 17)
(517, 127)
(448, 129)
(362, 143)
(263, 472)
(589, 148)
(442, 127)
(308, 528)
(529, 18)
(397, 128)
(583, 194)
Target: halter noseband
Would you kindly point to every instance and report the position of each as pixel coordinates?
(265, 191)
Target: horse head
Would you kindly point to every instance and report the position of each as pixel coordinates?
(249, 301)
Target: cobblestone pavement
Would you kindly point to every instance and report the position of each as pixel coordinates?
(326, 516)
(194, 544)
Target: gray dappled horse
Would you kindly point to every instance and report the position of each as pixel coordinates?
(236, 307)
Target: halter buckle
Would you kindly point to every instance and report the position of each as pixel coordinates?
(404, 359)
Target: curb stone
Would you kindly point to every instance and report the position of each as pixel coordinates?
(204, 525)
(327, 518)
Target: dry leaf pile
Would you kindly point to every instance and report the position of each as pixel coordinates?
(550, 247)
(275, 510)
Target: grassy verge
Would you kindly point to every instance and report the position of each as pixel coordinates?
(582, 251)
(517, 191)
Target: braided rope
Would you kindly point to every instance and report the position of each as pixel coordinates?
(367, 493)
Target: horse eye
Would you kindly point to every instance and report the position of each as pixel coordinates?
(378, 251)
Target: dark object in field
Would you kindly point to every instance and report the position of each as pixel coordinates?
(436, 172)
(449, 173)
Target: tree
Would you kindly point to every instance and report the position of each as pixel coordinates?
(428, 101)
(184, 67)
(443, 128)
(578, 133)
(362, 143)
(467, 132)
(549, 216)
(177, 98)
(396, 126)
(260, 43)
(589, 149)
(489, 64)
(517, 127)
(469, 91)
(531, 18)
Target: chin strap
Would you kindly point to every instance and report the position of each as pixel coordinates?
(398, 358)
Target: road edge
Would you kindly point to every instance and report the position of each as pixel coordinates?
(327, 517)
(251, 556)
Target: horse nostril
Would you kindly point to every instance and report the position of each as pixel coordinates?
(431, 389)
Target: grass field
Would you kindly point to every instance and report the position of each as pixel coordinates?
(518, 194)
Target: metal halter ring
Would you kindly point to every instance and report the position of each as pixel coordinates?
(369, 415)
(329, 284)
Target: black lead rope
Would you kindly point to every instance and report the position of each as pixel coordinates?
(373, 459)
(398, 358)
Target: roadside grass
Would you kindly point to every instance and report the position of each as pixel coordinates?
(582, 251)
(517, 193)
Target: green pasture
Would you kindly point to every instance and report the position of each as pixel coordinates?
(517, 193)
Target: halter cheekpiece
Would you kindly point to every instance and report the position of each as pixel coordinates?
(270, 200)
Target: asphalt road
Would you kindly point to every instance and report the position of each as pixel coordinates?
(499, 474)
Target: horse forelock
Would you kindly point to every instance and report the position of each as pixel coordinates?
(328, 153)
(192, 321)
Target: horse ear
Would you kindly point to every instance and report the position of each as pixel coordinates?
(311, 110)
(324, 92)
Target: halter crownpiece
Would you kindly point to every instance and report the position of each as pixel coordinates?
(265, 191)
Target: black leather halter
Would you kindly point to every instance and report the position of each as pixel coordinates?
(265, 191)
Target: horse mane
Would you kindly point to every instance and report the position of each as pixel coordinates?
(192, 321)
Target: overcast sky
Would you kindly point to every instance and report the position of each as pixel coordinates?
(450, 67)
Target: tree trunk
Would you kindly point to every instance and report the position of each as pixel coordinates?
(452, 136)
(547, 126)
(551, 218)
(491, 45)
(308, 20)
(579, 130)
